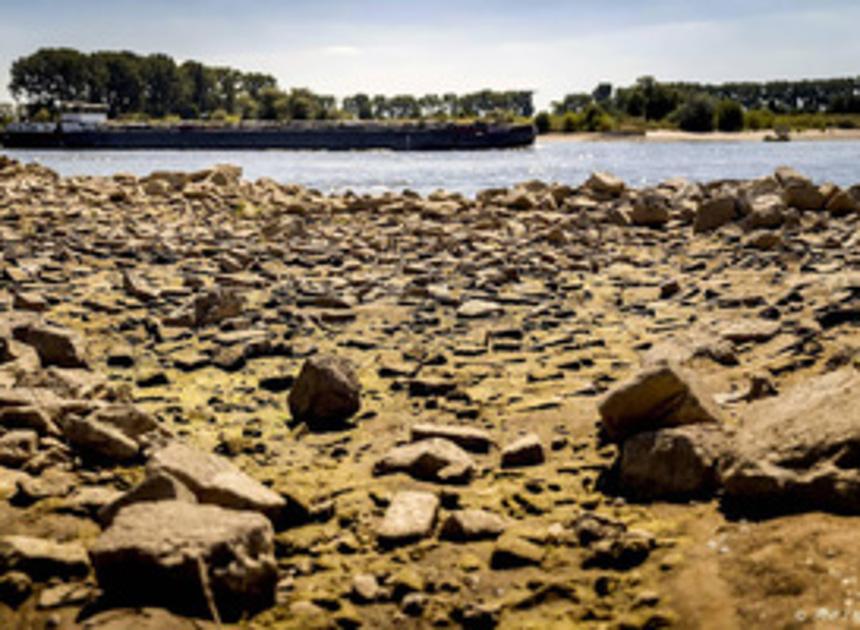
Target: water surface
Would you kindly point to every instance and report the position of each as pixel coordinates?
(638, 163)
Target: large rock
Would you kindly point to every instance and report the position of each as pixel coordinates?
(469, 438)
(410, 517)
(170, 553)
(798, 191)
(17, 446)
(326, 392)
(99, 440)
(55, 345)
(42, 559)
(650, 210)
(468, 525)
(435, 459)
(215, 480)
(676, 463)
(605, 184)
(800, 450)
(158, 486)
(526, 451)
(658, 397)
(767, 211)
(115, 432)
(842, 203)
(715, 213)
(216, 305)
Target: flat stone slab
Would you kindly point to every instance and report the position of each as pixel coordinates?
(169, 553)
(432, 460)
(469, 438)
(799, 450)
(410, 517)
(215, 480)
(41, 558)
(657, 397)
(467, 525)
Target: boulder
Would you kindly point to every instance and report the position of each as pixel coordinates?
(158, 486)
(526, 451)
(659, 396)
(513, 552)
(100, 440)
(469, 438)
(215, 480)
(842, 203)
(54, 345)
(187, 557)
(798, 191)
(42, 559)
(410, 517)
(434, 459)
(766, 211)
(650, 210)
(216, 305)
(799, 450)
(675, 463)
(468, 525)
(715, 213)
(605, 184)
(326, 392)
(16, 447)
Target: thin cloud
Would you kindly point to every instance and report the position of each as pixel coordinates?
(341, 51)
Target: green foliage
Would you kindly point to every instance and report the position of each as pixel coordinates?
(486, 104)
(542, 122)
(42, 115)
(595, 119)
(759, 119)
(696, 114)
(7, 114)
(570, 123)
(652, 104)
(729, 116)
(155, 86)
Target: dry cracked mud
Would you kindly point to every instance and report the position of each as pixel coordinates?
(549, 406)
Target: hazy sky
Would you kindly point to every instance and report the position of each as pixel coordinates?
(552, 46)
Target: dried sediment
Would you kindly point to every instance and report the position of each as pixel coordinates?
(176, 313)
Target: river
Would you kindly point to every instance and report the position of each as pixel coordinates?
(638, 163)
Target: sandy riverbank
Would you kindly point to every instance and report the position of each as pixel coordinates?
(546, 406)
(666, 135)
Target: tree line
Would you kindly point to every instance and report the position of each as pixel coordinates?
(157, 86)
(705, 107)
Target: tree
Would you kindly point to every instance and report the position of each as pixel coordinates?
(359, 106)
(123, 91)
(51, 76)
(729, 116)
(163, 85)
(199, 88)
(542, 122)
(697, 114)
(273, 103)
(302, 105)
(602, 94)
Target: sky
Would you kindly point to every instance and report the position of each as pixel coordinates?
(554, 47)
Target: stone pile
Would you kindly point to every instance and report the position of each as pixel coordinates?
(229, 400)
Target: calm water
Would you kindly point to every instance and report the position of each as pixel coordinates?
(637, 163)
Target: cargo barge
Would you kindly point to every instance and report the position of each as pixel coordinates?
(81, 132)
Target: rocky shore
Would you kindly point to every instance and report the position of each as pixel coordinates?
(225, 401)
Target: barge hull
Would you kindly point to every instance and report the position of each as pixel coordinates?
(432, 139)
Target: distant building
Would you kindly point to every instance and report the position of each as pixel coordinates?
(74, 112)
